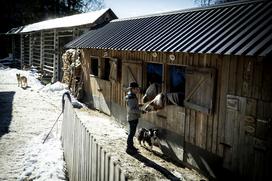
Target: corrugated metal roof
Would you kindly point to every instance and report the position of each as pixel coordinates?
(64, 22)
(243, 28)
(15, 30)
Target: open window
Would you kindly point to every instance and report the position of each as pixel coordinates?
(176, 85)
(105, 68)
(199, 93)
(153, 81)
(94, 66)
(153, 73)
(176, 78)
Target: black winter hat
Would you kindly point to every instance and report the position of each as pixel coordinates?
(133, 85)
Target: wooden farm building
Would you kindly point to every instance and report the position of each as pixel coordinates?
(218, 57)
(41, 44)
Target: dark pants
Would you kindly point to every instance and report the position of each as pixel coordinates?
(132, 129)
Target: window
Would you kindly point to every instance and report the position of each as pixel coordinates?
(105, 68)
(153, 81)
(176, 85)
(177, 79)
(154, 73)
(192, 87)
(94, 66)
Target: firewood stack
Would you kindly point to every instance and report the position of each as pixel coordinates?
(72, 71)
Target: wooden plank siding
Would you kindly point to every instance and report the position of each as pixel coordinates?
(221, 133)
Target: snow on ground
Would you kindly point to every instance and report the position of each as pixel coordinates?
(33, 111)
(43, 161)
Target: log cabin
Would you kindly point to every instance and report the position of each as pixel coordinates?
(41, 44)
(219, 57)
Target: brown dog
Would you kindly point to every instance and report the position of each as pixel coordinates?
(22, 81)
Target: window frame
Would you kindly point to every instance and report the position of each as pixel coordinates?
(90, 66)
(101, 67)
(167, 76)
(145, 83)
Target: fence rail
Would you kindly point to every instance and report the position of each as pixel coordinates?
(85, 158)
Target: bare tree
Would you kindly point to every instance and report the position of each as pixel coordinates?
(223, 1)
(203, 2)
(92, 5)
(211, 2)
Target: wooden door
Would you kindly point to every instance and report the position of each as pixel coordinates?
(101, 94)
(105, 96)
(247, 139)
(234, 132)
(95, 94)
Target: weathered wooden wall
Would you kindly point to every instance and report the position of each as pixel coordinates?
(246, 78)
(25, 48)
(85, 158)
(36, 55)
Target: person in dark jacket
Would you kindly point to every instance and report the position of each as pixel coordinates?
(133, 115)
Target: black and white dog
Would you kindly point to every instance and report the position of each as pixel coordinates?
(148, 135)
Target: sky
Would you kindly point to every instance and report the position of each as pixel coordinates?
(132, 8)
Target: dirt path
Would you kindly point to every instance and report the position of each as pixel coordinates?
(24, 114)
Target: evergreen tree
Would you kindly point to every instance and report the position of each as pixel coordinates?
(14, 13)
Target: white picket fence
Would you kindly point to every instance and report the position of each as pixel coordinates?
(86, 159)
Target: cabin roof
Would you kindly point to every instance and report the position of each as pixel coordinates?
(64, 22)
(240, 28)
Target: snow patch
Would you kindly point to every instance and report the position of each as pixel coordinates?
(56, 87)
(44, 161)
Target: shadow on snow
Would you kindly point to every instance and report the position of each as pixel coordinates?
(6, 99)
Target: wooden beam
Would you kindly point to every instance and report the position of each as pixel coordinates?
(41, 50)
(22, 50)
